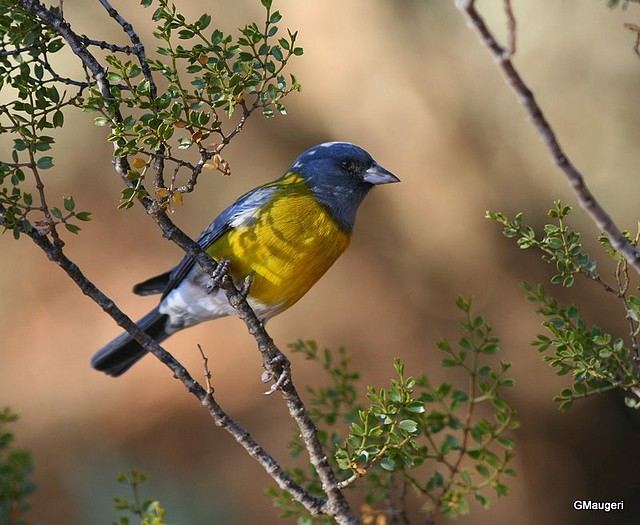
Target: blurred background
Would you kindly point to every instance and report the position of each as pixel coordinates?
(411, 83)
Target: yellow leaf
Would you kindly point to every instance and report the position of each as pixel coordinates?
(177, 198)
(138, 162)
(161, 193)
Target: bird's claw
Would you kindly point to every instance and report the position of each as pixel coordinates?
(218, 274)
(279, 373)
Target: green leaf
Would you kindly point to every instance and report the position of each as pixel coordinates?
(388, 464)
(416, 407)
(58, 119)
(114, 77)
(83, 216)
(482, 470)
(482, 499)
(448, 363)
(44, 163)
(69, 203)
(72, 227)
(409, 426)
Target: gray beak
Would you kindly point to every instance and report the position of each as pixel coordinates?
(376, 174)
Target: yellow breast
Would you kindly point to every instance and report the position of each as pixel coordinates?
(290, 245)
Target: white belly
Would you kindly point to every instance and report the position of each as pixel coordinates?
(189, 304)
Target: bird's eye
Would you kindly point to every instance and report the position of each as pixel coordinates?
(348, 165)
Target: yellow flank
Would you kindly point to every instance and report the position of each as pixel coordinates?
(291, 244)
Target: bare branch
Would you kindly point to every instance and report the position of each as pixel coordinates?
(574, 177)
(511, 26)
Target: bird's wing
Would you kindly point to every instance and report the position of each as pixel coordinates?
(241, 213)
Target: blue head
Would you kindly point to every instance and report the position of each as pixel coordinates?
(340, 175)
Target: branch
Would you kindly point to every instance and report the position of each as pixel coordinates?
(255, 450)
(277, 367)
(275, 363)
(525, 96)
(138, 48)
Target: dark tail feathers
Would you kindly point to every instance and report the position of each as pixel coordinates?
(123, 352)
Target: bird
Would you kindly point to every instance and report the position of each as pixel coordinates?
(283, 236)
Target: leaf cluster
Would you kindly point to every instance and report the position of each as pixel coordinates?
(621, 3)
(16, 469)
(559, 245)
(205, 76)
(27, 49)
(147, 512)
(443, 443)
(597, 361)
(154, 106)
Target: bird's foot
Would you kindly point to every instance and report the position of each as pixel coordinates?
(245, 287)
(279, 371)
(218, 274)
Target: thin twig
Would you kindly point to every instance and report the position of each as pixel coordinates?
(511, 27)
(138, 48)
(114, 48)
(574, 177)
(634, 28)
(20, 50)
(207, 371)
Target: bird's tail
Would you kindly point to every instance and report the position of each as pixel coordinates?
(123, 352)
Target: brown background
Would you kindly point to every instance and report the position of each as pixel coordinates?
(411, 83)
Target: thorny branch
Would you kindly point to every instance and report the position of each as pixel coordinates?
(526, 98)
(275, 363)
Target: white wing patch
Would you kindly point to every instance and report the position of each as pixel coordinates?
(243, 217)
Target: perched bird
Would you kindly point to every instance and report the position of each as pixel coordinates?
(285, 235)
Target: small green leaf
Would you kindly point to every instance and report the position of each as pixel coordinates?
(409, 426)
(58, 119)
(388, 464)
(114, 77)
(69, 203)
(482, 470)
(83, 216)
(72, 227)
(44, 163)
